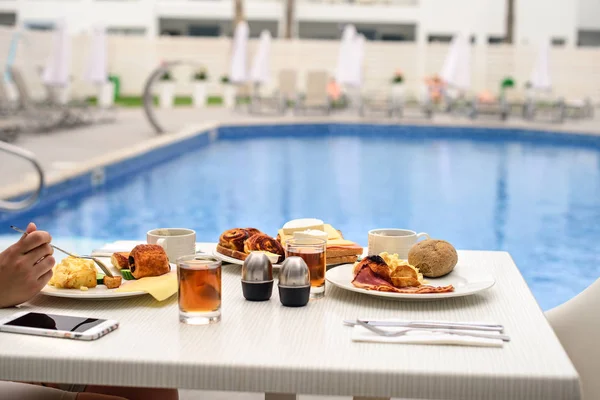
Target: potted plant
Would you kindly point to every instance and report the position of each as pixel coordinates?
(228, 92)
(167, 90)
(200, 79)
(106, 93)
(398, 87)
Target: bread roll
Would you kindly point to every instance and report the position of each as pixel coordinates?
(148, 260)
(433, 258)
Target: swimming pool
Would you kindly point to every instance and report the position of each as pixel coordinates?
(533, 194)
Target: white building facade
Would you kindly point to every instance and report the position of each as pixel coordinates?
(566, 22)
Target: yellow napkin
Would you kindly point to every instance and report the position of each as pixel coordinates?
(160, 287)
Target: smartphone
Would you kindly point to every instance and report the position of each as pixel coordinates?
(61, 326)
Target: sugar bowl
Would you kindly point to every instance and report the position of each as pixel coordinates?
(294, 282)
(257, 277)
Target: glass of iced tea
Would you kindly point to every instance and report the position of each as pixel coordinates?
(199, 279)
(312, 251)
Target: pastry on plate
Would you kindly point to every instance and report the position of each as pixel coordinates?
(263, 242)
(231, 243)
(252, 231)
(120, 260)
(148, 260)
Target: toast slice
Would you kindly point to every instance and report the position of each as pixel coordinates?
(238, 255)
(120, 260)
(340, 260)
(342, 251)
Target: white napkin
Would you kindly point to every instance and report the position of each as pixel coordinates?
(362, 334)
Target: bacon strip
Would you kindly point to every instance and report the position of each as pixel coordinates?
(367, 279)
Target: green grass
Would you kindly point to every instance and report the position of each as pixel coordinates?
(136, 101)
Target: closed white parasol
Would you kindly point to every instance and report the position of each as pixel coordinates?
(58, 67)
(261, 66)
(239, 53)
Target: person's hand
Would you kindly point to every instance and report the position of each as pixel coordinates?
(25, 267)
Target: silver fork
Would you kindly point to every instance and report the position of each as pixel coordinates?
(403, 332)
(98, 262)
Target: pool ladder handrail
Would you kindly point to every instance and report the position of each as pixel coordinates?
(30, 200)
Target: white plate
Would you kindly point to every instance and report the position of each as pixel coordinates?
(231, 260)
(99, 292)
(466, 281)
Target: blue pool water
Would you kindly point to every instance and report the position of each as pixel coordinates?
(535, 196)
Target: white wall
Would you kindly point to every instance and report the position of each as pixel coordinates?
(588, 17)
(540, 19)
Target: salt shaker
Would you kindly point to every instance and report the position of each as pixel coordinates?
(257, 277)
(294, 282)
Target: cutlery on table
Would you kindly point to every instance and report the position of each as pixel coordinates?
(432, 325)
(405, 331)
(98, 262)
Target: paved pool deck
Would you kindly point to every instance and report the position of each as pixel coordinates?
(63, 150)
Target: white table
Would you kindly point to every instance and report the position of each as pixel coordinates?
(265, 347)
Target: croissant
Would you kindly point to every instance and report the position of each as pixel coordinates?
(262, 242)
(233, 239)
(148, 260)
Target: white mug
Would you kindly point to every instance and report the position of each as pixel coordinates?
(393, 241)
(176, 242)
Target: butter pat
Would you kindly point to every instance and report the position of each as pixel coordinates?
(311, 234)
(303, 224)
(271, 256)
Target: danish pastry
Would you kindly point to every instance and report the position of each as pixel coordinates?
(262, 242)
(148, 260)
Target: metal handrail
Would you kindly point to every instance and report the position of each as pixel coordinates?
(30, 200)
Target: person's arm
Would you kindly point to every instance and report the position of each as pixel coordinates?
(25, 267)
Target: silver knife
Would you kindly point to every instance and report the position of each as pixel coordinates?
(433, 325)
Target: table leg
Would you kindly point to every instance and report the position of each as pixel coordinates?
(279, 396)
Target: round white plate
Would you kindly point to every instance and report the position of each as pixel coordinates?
(231, 260)
(466, 281)
(97, 293)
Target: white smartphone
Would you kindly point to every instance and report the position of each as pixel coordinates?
(61, 326)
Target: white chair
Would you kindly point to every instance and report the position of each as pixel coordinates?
(577, 325)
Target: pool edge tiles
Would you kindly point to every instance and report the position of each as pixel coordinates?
(109, 167)
(415, 131)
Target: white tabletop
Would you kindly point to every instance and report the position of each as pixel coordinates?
(265, 347)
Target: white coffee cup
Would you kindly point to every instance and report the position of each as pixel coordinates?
(393, 241)
(176, 242)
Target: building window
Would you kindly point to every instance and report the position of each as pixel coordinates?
(126, 31)
(558, 41)
(496, 39)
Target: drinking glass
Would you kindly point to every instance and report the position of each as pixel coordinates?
(199, 279)
(312, 251)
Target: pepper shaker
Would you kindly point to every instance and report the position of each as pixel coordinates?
(294, 282)
(257, 277)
